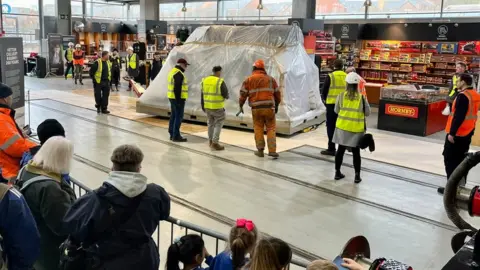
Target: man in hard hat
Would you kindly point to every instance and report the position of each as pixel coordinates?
(214, 93)
(12, 141)
(177, 94)
(334, 85)
(78, 62)
(132, 65)
(69, 59)
(264, 97)
(101, 74)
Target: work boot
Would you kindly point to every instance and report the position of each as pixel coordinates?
(358, 179)
(259, 153)
(339, 175)
(180, 139)
(210, 143)
(441, 190)
(328, 152)
(98, 110)
(274, 155)
(105, 111)
(81, 83)
(75, 81)
(116, 87)
(217, 147)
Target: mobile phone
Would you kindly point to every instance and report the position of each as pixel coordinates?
(338, 262)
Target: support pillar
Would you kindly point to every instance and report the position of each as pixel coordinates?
(64, 17)
(149, 11)
(304, 9)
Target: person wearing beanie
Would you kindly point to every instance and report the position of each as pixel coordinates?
(47, 129)
(12, 140)
(135, 206)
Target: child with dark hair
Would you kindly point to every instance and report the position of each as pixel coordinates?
(242, 240)
(190, 251)
(271, 254)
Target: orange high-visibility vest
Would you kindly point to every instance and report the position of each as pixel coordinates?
(78, 61)
(468, 124)
(361, 87)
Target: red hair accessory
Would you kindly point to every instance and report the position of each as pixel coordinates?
(245, 223)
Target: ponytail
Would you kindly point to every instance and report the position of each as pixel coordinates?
(186, 251)
(173, 257)
(239, 251)
(242, 240)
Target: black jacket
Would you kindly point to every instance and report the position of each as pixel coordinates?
(48, 200)
(130, 245)
(155, 69)
(326, 87)
(177, 84)
(94, 69)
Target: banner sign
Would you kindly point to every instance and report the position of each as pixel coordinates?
(55, 54)
(345, 31)
(402, 111)
(11, 58)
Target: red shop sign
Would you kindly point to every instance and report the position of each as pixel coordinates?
(400, 110)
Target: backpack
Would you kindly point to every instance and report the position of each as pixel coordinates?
(75, 256)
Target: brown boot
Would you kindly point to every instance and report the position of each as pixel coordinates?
(259, 153)
(217, 147)
(210, 143)
(274, 155)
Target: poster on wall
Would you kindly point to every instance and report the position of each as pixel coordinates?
(161, 42)
(55, 55)
(11, 58)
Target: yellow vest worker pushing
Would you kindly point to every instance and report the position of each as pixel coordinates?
(98, 74)
(171, 84)
(351, 116)
(337, 86)
(212, 94)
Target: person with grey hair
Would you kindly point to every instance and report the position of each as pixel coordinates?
(115, 223)
(44, 185)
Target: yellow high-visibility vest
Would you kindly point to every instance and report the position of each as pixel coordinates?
(132, 62)
(98, 74)
(171, 84)
(454, 83)
(351, 116)
(69, 55)
(337, 86)
(212, 93)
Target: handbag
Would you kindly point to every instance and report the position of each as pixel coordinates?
(367, 140)
(73, 256)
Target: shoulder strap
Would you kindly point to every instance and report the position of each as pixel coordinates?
(33, 180)
(3, 190)
(364, 115)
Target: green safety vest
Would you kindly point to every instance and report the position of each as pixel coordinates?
(69, 55)
(212, 93)
(337, 86)
(351, 116)
(171, 84)
(98, 74)
(132, 62)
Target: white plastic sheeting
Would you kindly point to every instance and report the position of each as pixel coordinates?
(236, 48)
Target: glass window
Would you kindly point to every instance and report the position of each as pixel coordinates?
(49, 7)
(461, 8)
(206, 10)
(77, 8)
(239, 10)
(106, 10)
(276, 9)
(134, 13)
(405, 9)
(29, 7)
(23, 26)
(336, 9)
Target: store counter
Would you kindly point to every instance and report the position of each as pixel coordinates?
(373, 92)
(405, 109)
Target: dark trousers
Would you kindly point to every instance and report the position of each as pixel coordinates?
(357, 160)
(115, 76)
(69, 66)
(176, 117)
(331, 123)
(102, 92)
(455, 153)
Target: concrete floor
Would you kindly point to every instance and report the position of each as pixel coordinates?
(294, 198)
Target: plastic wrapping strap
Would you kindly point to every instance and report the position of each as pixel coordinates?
(237, 44)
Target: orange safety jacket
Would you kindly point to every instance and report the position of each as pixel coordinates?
(361, 87)
(468, 124)
(261, 91)
(12, 143)
(78, 58)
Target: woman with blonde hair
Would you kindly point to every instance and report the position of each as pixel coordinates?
(272, 254)
(43, 182)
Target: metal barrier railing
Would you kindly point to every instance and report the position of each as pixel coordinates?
(81, 189)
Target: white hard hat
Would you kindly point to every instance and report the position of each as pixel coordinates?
(78, 46)
(70, 44)
(353, 78)
(130, 48)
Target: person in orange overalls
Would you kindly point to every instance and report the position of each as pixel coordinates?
(264, 97)
(12, 141)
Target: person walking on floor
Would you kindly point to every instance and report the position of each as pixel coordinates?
(101, 75)
(177, 94)
(334, 86)
(132, 66)
(214, 93)
(69, 60)
(116, 67)
(460, 125)
(264, 97)
(78, 62)
(351, 108)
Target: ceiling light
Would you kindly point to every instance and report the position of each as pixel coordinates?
(260, 6)
(184, 9)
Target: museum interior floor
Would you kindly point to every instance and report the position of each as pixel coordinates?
(295, 197)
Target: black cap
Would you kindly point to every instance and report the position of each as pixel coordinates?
(5, 91)
(49, 128)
